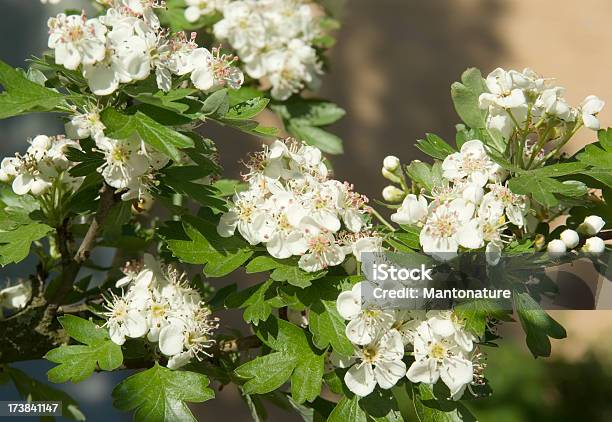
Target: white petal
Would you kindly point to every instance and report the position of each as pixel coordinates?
(171, 340)
(387, 374)
(424, 370)
(348, 304)
(456, 372)
(360, 380)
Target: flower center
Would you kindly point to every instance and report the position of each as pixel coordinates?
(437, 351)
(369, 354)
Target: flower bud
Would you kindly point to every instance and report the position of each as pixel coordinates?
(539, 242)
(391, 163)
(556, 248)
(594, 245)
(570, 238)
(390, 176)
(392, 194)
(591, 225)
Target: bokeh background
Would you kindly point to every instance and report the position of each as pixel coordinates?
(392, 69)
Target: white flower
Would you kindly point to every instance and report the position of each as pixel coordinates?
(323, 250)
(500, 201)
(124, 161)
(449, 226)
(124, 319)
(552, 103)
(15, 297)
(283, 237)
(380, 362)
(556, 248)
(366, 245)
(247, 215)
(594, 245)
(502, 91)
(413, 210)
(85, 125)
(289, 70)
(448, 324)
(473, 163)
(197, 8)
(590, 107)
(591, 225)
(211, 71)
(76, 40)
(365, 321)
(241, 26)
(440, 357)
(570, 238)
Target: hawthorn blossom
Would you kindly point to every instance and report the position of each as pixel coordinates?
(438, 356)
(590, 107)
(502, 91)
(591, 225)
(365, 321)
(413, 210)
(449, 226)
(594, 246)
(76, 40)
(43, 164)
(501, 201)
(379, 363)
(85, 125)
(197, 8)
(472, 163)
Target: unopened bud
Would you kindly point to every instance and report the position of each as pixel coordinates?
(570, 238)
(539, 242)
(393, 194)
(391, 163)
(594, 245)
(591, 225)
(556, 248)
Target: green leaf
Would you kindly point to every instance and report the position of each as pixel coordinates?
(254, 302)
(537, 324)
(77, 363)
(15, 244)
(168, 101)
(346, 410)
(309, 112)
(31, 389)
(293, 357)
(542, 189)
(22, 95)
(160, 394)
(317, 137)
(429, 408)
(266, 373)
(434, 146)
(328, 327)
(162, 138)
(475, 314)
(283, 270)
(465, 98)
(420, 173)
(247, 109)
(555, 170)
(595, 156)
(202, 245)
(216, 103)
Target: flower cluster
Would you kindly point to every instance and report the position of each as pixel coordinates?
(273, 39)
(127, 44)
(197, 8)
(295, 209)
(160, 304)
(570, 239)
(15, 297)
(129, 164)
(441, 347)
(525, 103)
(470, 211)
(42, 166)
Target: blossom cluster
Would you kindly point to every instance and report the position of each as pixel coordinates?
(513, 99)
(470, 211)
(273, 38)
(441, 347)
(42, 166)
(294, 208)
(160, 305)
(570, 239)
(15, 297)
(129, 164)
(126, 44)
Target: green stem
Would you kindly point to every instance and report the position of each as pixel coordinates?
(381, 219)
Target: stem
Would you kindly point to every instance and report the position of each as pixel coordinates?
(381, 219)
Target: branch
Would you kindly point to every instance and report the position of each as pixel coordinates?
(72, 265)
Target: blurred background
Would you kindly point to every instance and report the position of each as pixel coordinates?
(391, 70)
